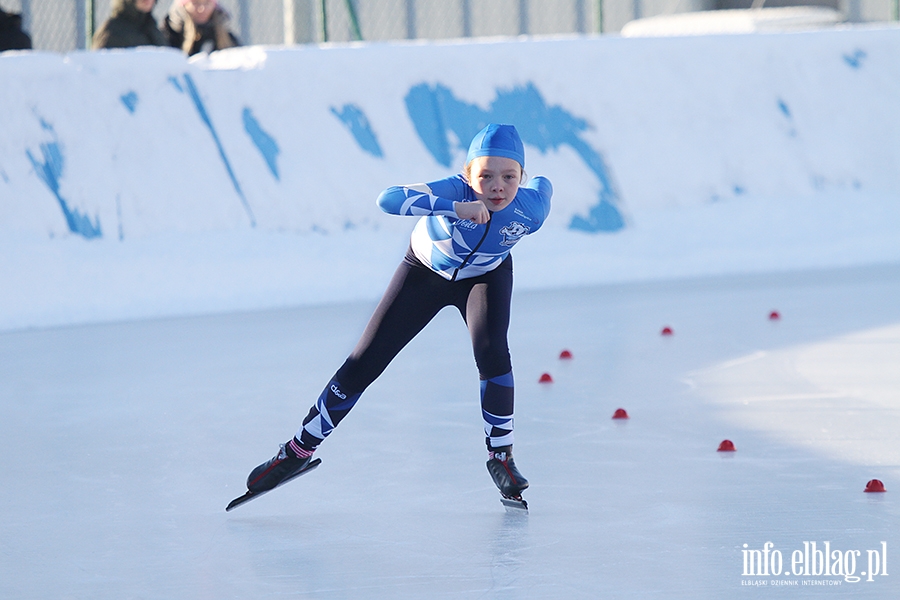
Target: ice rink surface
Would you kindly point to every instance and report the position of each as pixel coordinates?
(122, 444)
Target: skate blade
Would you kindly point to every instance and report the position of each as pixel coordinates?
(514, 504)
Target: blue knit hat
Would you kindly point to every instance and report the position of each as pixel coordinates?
(497, 140)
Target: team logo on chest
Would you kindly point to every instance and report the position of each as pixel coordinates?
(512, 233)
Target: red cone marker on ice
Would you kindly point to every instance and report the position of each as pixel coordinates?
(774, 316)
(620, 414)
(545, 378)
(875, 485)
(726, 446)
(565, 354)
(666, 331)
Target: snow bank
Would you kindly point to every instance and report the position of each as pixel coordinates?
(139, 184)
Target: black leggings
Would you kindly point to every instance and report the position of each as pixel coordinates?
(414, 296)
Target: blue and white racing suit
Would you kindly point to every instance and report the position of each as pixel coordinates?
(450, 262)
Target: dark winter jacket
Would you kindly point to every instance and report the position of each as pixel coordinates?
(181, 31)
(11, 35)
(128, 27)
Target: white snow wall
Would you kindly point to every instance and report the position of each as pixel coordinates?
(139, 184)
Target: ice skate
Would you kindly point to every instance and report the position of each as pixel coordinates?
(276, 470)
(507, 477)
(283, 467)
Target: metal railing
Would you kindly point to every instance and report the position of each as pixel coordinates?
(66, 25)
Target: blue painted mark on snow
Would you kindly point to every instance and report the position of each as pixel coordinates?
(175, 83)
(49, 169)
(786, 111)
(855, 59)
(204, 116)
(436, 112)
(358, 124)
(264, 142)
(783, 107)
(130, 101)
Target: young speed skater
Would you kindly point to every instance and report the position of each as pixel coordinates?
(459, 255)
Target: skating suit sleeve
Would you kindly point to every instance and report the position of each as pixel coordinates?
(456, 248)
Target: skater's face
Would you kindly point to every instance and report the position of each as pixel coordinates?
(495, 180)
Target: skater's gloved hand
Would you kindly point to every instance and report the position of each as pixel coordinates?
(475, 211)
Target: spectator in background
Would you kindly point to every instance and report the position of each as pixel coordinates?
(198, 26)
(130, 24)
(11, 35)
